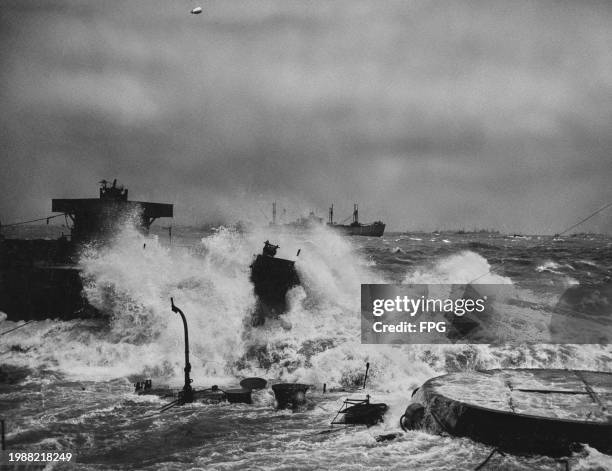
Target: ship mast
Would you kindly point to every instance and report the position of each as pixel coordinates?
(355, 214)
(274, 213)
(331, 214)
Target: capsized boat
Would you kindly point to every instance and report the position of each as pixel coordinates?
(540, 411)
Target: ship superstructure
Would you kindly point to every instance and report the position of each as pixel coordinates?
(40, 278)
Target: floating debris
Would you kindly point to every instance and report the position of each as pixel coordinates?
(360, 412)
(290, 395)
(253, 383)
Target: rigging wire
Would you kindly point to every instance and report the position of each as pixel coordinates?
(32, 220)
(585, 219)
(18, 327)
(495, 450)
(556, 235)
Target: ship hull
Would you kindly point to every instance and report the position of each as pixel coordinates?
(368, 230)
(38, 280)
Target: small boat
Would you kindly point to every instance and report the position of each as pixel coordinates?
(541, 411)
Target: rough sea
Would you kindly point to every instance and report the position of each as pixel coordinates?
(68, 385)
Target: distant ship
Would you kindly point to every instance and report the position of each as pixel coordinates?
(306, 222)
(303, 222)
(374, 229)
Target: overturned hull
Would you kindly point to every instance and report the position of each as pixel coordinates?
(272, 278)
(541, 411)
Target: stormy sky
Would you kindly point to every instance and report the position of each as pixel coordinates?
(430, 114)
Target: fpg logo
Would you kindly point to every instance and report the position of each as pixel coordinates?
(432, 326)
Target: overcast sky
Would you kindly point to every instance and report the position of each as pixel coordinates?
(430, 114)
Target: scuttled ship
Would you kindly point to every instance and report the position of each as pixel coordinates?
(356, 228)
(41, 279)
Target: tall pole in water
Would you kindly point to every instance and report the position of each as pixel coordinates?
(187, 394)
(355, 213)
(331, 214)
(274, 213)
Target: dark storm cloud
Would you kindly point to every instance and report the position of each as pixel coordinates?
(430, 114)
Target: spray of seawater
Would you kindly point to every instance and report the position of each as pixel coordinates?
(318, 341)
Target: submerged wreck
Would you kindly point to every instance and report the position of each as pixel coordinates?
(188, 394)
(542, 411)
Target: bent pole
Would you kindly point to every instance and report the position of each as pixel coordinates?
(187, 393)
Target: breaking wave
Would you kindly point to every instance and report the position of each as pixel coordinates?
(317, 341)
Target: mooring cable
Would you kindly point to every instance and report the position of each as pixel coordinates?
(495, 450)
(585, 219)
(18, 327)
(555, 235)
(170, 405)
(31, 220)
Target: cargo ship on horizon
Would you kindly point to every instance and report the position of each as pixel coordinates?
(356, 228)
(374, 229)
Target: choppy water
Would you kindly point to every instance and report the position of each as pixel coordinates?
(70, 383)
